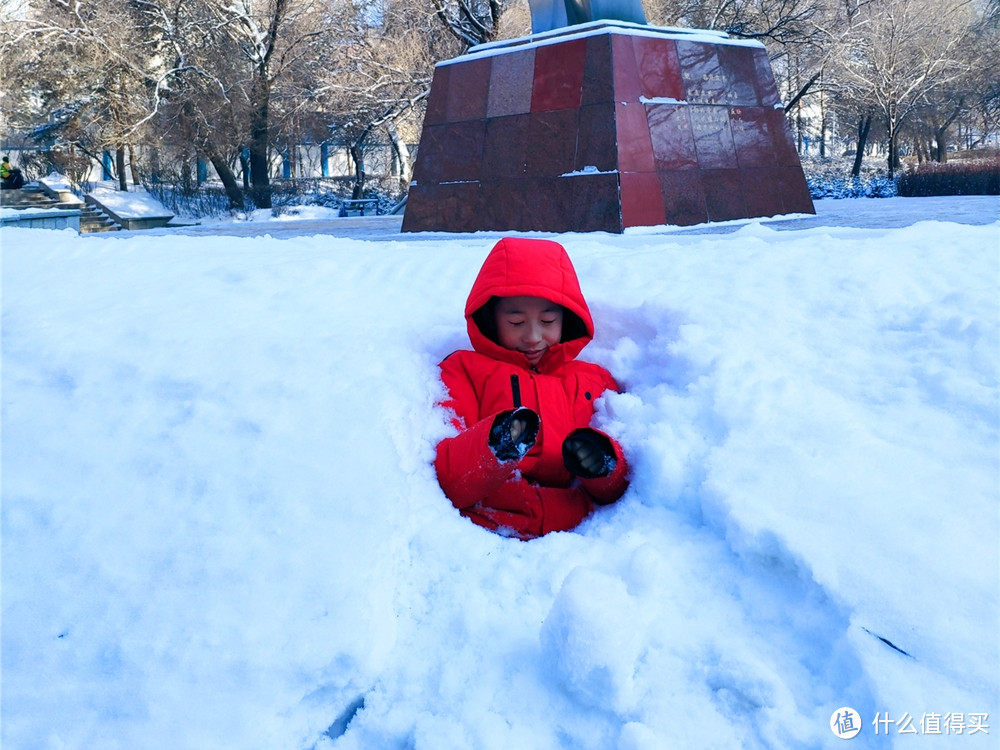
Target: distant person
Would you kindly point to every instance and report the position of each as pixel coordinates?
(10, 177)
(525, 461)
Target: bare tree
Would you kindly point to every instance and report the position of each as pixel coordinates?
(784, 22)
(471, 21)
(377, 78)
(238, 71)
(984, 83)
(112, 83)
(273, 37)
(899, 52)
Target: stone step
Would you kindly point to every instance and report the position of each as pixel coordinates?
(92, 219)
(25, 197)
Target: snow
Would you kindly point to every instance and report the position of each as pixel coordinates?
(597, 28)
(221, 526)
(660, 100)
(56, 181)
(134, 203)
(10, 212)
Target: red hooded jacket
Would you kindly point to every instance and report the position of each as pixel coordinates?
(535, 494)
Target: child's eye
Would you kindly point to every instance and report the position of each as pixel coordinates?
(548, 322)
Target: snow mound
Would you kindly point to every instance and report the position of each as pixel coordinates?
(222, 528)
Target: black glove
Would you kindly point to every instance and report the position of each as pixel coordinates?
(588, 454)
(513, 433)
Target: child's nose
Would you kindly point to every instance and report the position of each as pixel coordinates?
(533, 334)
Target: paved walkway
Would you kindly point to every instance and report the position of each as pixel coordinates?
(865, 213)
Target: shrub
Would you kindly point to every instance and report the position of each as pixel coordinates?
(845, 187)
(210, 200)
(332, 191)
(978, 177)
(825, 178)
(206, 201)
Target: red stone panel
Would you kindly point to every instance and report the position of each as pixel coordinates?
(760, 197)
(628, 85)
(504, 205)
(738, 67)
(550, 146)
(558, 76)
(595, 143)
(713, 137)
(671, 136)
(598, 80)
(450, 152)
(454, 208)
(683, 197)
(751, 130)
(468, 86)
(437, 102)
(785, 154)
(551, 206)
(512, 76)
(704, 79)
(658, 66)
(595, 204)
(420, 213)
(504, 147)
(767, 90)
(642, 199)
(635, 151)
(790, 183)
(723, 194)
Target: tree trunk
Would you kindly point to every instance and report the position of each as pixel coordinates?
(232, 187)
(941, 145)
(245, 167)
(186, 181)
(864, 126)
(402, 152)
(941, 133)
(260, 179)
(120, 167)
(798, 127)
(822, 127)
(133, 165)
(359, 170)
(803, 91)
(893, 155)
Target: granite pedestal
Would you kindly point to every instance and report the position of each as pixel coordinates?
(600, 127)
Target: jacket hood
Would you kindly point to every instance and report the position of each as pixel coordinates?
(529, 267)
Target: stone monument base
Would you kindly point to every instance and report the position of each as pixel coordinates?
(601, 127)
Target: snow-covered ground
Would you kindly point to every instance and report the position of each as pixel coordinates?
(222, 529)
(135, 203)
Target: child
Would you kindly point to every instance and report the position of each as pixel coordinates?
(525, 461)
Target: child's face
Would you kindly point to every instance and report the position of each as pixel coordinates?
(529, 325)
